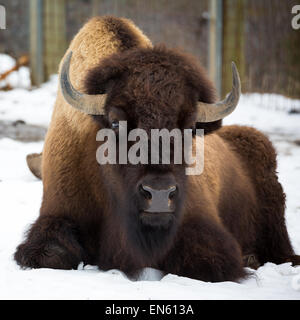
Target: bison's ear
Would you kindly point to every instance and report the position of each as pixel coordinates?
(34, 162)
(209, 127)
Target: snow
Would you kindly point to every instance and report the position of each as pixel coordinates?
(6, 62)
(21, 195)
(34, 107)
(17, 79)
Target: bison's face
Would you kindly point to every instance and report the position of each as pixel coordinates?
(147, 89)
(152, 193)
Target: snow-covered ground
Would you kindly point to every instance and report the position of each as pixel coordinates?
(16, 79)
(21, 192)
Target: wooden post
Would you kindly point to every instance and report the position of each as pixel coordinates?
(233, 41)
(36, 42)
(215, 43)
(2, 17)
(55, 34)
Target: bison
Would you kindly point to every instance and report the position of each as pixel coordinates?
(230, 216)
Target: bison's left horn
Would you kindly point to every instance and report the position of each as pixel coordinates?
(90, 104)
(217, 111)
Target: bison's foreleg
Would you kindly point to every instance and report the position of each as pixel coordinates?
(204, 250)
(52, 242)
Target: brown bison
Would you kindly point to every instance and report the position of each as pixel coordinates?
(230, 216)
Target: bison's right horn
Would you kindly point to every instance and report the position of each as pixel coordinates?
(216, 111)
(90, 104)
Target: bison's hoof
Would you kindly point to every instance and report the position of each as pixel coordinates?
(295, 260)
(251, 261)
(49, 255)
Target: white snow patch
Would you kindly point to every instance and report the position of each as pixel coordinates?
(16, 79)
(34, 107)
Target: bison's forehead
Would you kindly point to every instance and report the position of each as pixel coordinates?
(157, 84)
(155, 93)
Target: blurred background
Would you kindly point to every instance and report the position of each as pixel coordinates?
(256, 34)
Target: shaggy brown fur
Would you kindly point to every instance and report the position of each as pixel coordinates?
(91, 213)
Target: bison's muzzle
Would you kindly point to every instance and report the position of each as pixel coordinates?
(158, 196)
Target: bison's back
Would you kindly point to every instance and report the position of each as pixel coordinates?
(258, 156)
(252, 146)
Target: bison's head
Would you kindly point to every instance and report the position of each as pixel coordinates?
(152, 88)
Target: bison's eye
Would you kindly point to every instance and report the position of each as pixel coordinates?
(115, 124)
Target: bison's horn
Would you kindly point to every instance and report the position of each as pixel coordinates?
(217, 111)
(90, 104)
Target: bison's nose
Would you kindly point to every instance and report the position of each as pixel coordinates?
(158, 198)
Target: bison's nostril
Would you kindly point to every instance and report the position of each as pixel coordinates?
(173, 192)
(144, 192)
